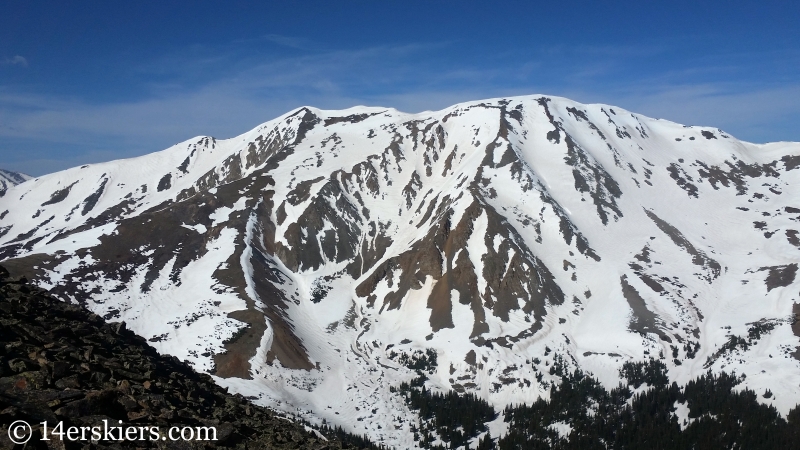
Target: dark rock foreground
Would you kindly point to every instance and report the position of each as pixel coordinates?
(61, 363)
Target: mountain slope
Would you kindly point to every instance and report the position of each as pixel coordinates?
(61, 363)
(306, 261)
(9, 178)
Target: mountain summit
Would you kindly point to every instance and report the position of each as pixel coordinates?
(313, 261)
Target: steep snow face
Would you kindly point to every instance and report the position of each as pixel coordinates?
(9, 179)
(299, 261)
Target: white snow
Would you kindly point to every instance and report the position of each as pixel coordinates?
(349, 337)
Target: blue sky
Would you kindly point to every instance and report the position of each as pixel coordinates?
(91, 81)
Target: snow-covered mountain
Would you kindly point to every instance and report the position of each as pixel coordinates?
(300, 261)
(9, 178)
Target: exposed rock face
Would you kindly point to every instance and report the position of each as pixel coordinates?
(292, 260)
(61, 363)
(9, 179)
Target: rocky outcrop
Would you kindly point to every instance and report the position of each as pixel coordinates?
(61, 363)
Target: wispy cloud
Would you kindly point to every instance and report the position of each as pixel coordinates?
(411, 78)
(289, 41)
(16, 60)
(756, 113)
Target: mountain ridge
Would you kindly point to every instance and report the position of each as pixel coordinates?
(295, 258)
(9, 179)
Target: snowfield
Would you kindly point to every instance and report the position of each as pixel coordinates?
(298, 261)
